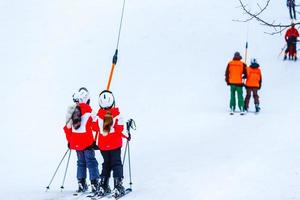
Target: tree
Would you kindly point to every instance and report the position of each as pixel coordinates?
(277, 27)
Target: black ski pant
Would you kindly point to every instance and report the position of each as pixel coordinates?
(248, 95)
(292, 11)
(112, 162)
(291, 42)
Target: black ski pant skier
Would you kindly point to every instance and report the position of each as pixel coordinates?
(291, 45)
(291, 5)
(112, 162)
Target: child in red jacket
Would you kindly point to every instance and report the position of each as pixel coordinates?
(109, 130)
(80, 137)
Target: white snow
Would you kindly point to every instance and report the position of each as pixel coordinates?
(169, 78)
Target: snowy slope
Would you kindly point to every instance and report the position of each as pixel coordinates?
(169, 78)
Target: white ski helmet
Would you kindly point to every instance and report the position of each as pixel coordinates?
(106, 99)
(82, 96)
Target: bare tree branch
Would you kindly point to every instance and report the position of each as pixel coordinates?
(278, 27)
(252, 16)
(260, 7)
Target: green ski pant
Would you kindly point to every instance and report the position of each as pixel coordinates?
(239, 90)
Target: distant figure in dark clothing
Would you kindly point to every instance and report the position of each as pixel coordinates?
(291, 5)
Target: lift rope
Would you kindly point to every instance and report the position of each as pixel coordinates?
(115, 57)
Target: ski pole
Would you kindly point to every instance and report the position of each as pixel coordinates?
(115, 57)
(129, 163)
(130, 124)
(124, 156)
(129, 166)
(62, 185)
(48, 187)
(281, 50)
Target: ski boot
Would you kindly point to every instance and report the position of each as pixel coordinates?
(103, 187)
(242, 111)
(245, 109)
(285, 57)
(232, 109)
(119, 189)
(94, 185)
(257, 108)
(82, 186)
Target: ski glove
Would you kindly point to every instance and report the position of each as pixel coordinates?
(70, 111)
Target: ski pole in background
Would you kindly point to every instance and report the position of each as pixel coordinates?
(282, 49)
(63, 182)
(115, 57)
(130, 124)
(48, 187)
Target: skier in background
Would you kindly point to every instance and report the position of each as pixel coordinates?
(291, 4)
(234, 75)
(78, 130)
(253, 84)
(291, 36)
(109, 127)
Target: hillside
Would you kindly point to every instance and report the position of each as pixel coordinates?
(169, 78)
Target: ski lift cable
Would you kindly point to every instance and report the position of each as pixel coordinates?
(115, 57)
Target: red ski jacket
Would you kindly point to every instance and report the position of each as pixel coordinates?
(291, 32)
(83, 137)
(113, 139)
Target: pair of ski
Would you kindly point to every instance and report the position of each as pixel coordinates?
(81, 195)
(232, 113)
(244, 113)
(109, 195)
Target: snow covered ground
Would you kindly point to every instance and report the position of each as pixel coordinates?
(169, 78)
